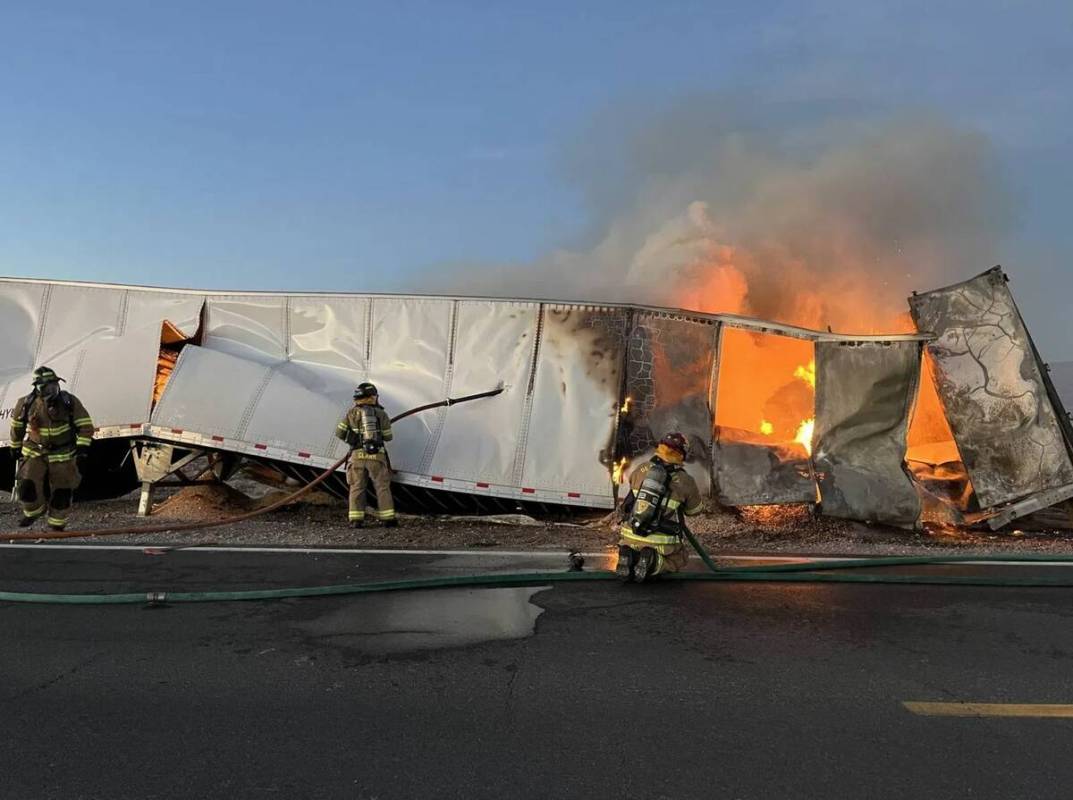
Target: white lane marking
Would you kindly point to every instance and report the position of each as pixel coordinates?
(205, 548)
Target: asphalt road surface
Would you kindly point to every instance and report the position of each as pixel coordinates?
(584, 690)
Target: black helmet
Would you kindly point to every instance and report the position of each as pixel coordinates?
(44, 375)
(365, 390)
(677, 442)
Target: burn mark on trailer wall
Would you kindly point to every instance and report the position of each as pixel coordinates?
(575, 390)
(600, 338)
(992, 388)
(863, 395)
(669, 369)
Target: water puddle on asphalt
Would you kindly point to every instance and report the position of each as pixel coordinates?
(396, 622)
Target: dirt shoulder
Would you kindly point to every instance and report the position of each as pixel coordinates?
(321, 522)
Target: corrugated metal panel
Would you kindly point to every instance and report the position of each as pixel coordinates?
(574, 401)
(22, 308)
(103, 341)
(297, 409)
(670, 372)
(210, 392)
(250, 327)
(493, 344)
(863, 395)
(329, 332)
(992, 390)
(410, 342)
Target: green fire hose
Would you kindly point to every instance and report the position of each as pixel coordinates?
(831, 571)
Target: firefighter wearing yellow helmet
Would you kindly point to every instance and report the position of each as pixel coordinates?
(50, 429)
(661, 495)
(366, 427)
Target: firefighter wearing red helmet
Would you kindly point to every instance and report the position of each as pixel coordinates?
(661, 495)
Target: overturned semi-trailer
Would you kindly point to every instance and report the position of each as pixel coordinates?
(588, 388)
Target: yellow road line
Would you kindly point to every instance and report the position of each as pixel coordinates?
(1039, 710)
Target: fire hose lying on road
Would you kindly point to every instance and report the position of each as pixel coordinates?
(814, 572)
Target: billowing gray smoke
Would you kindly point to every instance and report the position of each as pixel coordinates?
(718, 206)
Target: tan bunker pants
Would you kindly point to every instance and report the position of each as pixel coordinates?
(671, 552)
(358, 471)
(46, 485)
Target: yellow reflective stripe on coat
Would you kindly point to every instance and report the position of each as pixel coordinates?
(57, 430)
(652, 538)
(689, 512)
(83, 441)
(59, 458)
(17, 423)
(83, 422)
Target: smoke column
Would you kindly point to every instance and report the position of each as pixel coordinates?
(721, 206)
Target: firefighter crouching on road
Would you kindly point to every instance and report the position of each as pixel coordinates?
(661, 494)
(366, 427)
(50, 429)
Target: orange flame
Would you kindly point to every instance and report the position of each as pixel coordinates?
(804, 434)
(767, 382)
(807, 374)
(617, 470)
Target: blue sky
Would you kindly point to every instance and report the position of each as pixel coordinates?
(356, 146)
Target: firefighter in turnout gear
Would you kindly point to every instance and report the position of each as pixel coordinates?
(50, 429)
(661, 495)
(366, 427)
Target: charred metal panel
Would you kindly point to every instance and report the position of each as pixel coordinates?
(756, 473)
(992, 388)
(669, 373)
(864, 392)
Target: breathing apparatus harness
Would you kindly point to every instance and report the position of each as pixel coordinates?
(370, 439)
(651, 498)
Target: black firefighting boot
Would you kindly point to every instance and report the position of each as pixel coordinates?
(357, 523)
(627, 560)
(646, 565)
(389, 523)
(26, 522)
